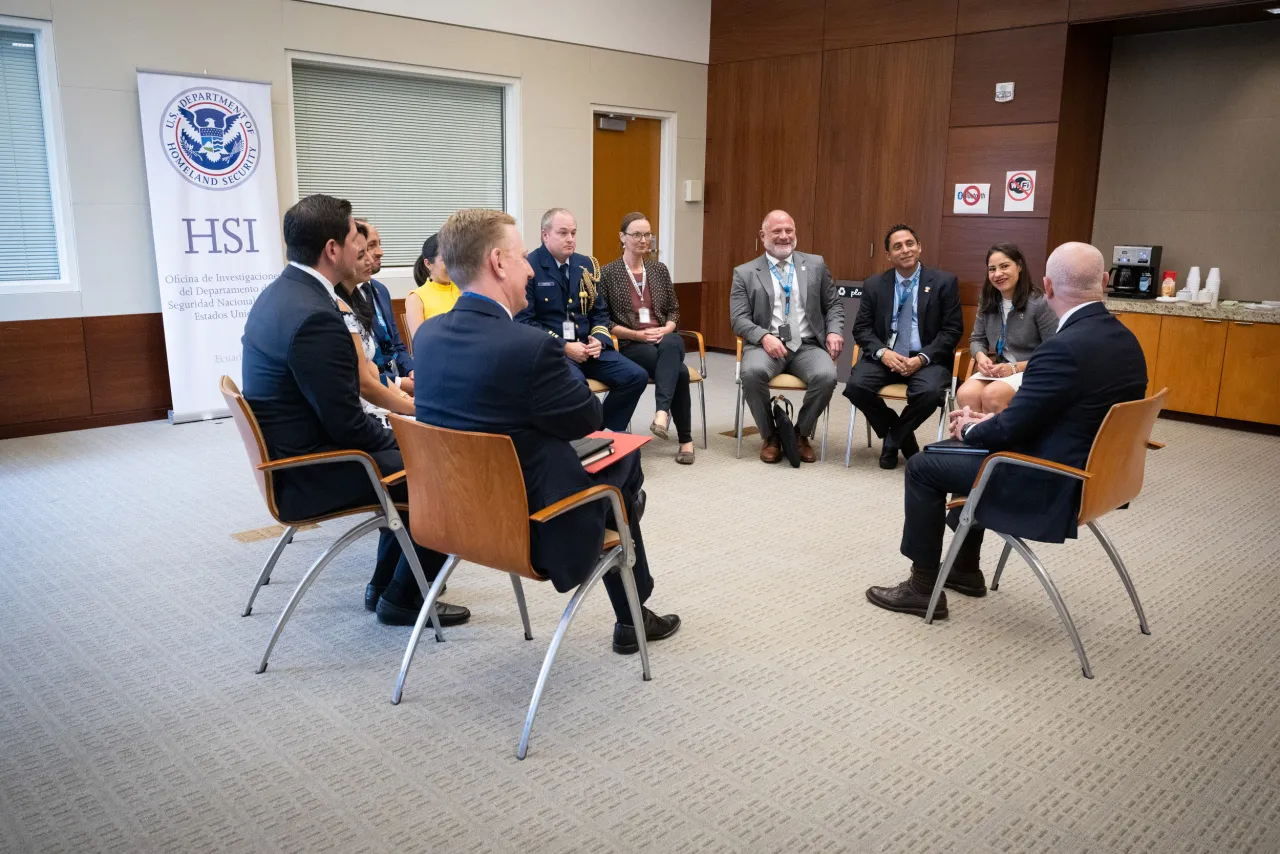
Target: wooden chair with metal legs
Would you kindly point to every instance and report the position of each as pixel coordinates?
(1112, 478)
(385, 512)
(782, 382)
(898, 391)
(467, 497)
(402, 323)
(697, 376)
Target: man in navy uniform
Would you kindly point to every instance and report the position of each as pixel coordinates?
(563, 301)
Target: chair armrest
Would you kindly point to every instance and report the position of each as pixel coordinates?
(955, 365)
(697, 336)
(614, 339)
(370, 468)
(956, 502)
(1154, 446)
(1026, 461)
(393, 479)
(599, 492)
(739, 342)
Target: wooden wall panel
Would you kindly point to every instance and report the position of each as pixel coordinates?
(986, 154)
(127, 363)
(755, 164)
(1032, 58)
(1094, 10)
(860, 23)
(980, 15)
(1086, 72)
(755, 29)
(43, 374)
(882, 151)
(965, 241)
(689, 295)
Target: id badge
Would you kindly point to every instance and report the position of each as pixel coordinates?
(892, 340)
(644, 315)
(569, 330)
(784, 332)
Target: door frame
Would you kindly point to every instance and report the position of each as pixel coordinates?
(666, 175)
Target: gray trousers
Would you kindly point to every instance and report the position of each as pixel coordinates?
(810, 363)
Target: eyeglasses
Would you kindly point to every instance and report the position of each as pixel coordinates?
(638, 236)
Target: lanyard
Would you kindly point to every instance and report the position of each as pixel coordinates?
(906, 294)
(1004, 328)
(644, 278)
(786, 286)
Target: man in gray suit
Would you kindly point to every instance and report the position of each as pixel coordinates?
(783, 305)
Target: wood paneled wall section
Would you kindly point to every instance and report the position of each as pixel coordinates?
(78, 372)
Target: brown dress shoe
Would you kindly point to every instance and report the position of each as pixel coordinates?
(806, 451)
(771, 451)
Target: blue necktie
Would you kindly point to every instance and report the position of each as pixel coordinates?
(902, 344)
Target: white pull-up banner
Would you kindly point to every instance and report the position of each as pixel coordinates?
(215, 220)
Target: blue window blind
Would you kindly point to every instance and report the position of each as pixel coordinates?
(406, 150)
(29, 238)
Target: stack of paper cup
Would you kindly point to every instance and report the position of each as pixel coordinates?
(1193, 282)
(1215, 278)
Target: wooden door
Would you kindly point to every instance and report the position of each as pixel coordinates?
(1146, 328)
(1249, 390)
(626, 177)
(755, 163)
(1190, 363)
(882, 152)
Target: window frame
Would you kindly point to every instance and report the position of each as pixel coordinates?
(55, 148)
(512, 154)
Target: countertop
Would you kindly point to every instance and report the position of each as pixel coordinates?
(1184, 309)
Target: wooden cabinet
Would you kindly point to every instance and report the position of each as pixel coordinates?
(1189, 362)
(1146, 328)
(1249, 390)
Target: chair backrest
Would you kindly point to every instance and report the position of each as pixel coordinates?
(402, 323)
(1118, 457)
(466, 495)
(251, 434)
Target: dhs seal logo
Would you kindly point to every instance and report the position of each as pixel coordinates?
(210, 138)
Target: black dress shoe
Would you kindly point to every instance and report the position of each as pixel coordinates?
(655, 628)
(906, 599)
(395, 614)
(889, 456)
(968, 583)
(372, 593)
(910, 447)
(637, 506)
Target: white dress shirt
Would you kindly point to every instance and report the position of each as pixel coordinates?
(1073, 310)
(799, 322)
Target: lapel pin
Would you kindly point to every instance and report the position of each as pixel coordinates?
(926, 289)
(803, 268)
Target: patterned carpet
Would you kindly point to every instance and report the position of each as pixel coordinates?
(788, 714)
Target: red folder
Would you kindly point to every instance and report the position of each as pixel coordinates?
(623, 444)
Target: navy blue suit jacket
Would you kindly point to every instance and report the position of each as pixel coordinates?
(938, 313)
(399, 353)
(551, 299)
(299, 373)
(1071, 382)
(493, 376)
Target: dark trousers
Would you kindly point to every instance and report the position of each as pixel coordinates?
(925, 390)
(626, 381)
(560, 550)
(664, 363)
(929, 479)
(323, 489)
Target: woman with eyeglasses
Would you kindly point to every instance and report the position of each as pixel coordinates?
(645, 313)
(1013, 320)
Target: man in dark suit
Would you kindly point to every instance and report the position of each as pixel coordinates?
(562, 299)
(1071, 382)
(299, 374)
(491, 375)
(395, 363)
(908, 325)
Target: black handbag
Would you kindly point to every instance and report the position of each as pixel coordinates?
(785, 430)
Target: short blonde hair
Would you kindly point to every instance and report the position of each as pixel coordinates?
(467, 238)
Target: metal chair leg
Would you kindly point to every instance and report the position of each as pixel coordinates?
(1054, 596)
(428, 611)
(702, 397)
(610, 559)
(524, 609)
(826, 417)
(848, 442)
(1004, 557)
(868, 423)
(1124, 573)
(962, 531)
(264, 577)
(740, 419)
(330, 553)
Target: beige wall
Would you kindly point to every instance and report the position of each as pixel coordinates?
(100, 45)
(1191, 154)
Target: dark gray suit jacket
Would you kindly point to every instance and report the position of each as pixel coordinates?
(1025, 331)
(751, 298)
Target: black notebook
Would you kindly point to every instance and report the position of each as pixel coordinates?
(954, 446)
(590, 450)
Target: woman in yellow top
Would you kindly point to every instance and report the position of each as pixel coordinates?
(435, 294)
